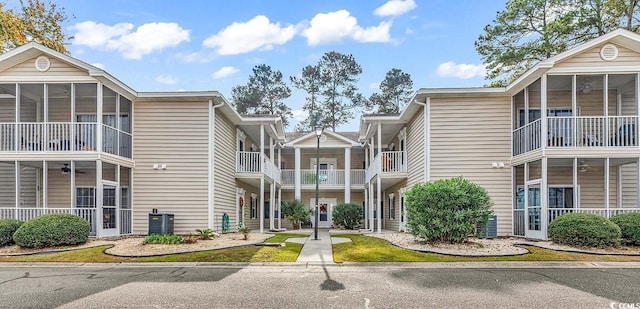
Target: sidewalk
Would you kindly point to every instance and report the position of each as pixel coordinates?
(317, 251)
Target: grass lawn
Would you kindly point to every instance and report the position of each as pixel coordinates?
(243, 254)
(371, 249)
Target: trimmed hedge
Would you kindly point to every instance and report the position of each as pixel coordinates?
(629, 226)
(585, 230)
(348, 215)
(52, 230)
(446, 210)
(7, 228)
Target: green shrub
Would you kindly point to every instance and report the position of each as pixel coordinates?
(7, 228)
(348, 215)
(244, 230)
(163, 239)
(205, 234)
(52, 230)
(446, 210)
(585, 230)
(629, 226)
(295, 212)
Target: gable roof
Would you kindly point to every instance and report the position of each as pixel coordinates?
(299, 137)
(622, 37)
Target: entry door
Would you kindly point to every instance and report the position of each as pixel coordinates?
(109, 209)
(325, 208)
(534, 226)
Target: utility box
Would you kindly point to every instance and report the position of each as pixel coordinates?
(490, 230)
(160, 223)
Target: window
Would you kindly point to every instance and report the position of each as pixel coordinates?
(392, 207)
(560, 197)
(253, 203)
(85, 197)
(267, 210)
(109, 197)
(124, 198)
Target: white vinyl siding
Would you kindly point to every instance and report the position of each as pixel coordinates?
(57, 68)
(416, 148)
(224, 164)
(467, 135)
(175, 134)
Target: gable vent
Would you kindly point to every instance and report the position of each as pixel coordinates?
(609, 52)
(42, 63)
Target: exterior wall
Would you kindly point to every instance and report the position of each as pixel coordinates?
(331, 141)
(416, 149)
(393, 224)
(591, 58)
(175, 134)
(224, 189)
(7, 185)
(254, 224)
(467, 135)
(58, 68)
(629, 185)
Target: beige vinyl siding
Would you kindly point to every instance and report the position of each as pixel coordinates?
(7, 185)
(629, 186)
(28, 183)
(7, 110)
(57, 68)
(393, 224)
(175, 134)
(254, 224)
(591, 58)
(224, 189)
(331, 141)
(467, 135)
(416, 148)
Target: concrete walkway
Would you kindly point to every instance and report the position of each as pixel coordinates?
(317, 251)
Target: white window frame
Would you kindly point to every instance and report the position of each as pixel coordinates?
(392, 206)
(75, 203)
(253, 206)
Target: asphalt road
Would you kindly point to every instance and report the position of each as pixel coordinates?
(296, 286)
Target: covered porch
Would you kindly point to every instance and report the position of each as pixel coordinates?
(549, 187)
(99, 192)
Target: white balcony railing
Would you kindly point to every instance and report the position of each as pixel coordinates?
(580, 131)
(250, 162)
(357, 177)
(387, 162)
(62, 137)
(328, 177)
(26, 214)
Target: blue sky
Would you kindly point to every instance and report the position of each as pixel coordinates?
(160, 45)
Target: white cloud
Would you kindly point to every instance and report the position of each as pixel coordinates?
(300, 115)
(224, 72)
(333, 27)
(461, 71)
(395, 8)
(147, 38)
(166, 79)
(98, 65)
(257, 33)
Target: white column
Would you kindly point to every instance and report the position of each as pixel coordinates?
(427, 140)
(606, 186)
(347, 175)
(45, 184)
(99, 193)
(271, 149)
(272, 206)
(261, 162)
(366, 207)
(543, 114)
(638, 182)
(16, 166)
(544, 197)
(99, 119)
(575, 183)
(279, 208)
(73, 184)
(379, 185)
(372, 204)
(297, 175)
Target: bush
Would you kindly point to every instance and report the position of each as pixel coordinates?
(585, 230)
(163, 239)
(348, 215)
(245, 230)
(295, 212)
(629, 227)
(7, 228)
(446, 210)
(52, 230)
(205, 234)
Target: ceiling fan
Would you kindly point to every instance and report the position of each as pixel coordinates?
(65, 169)
(583, 167)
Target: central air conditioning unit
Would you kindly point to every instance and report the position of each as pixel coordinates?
(160, 223)
(490, 230)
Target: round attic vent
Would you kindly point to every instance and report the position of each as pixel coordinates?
(42, 63)
(609, 52)
(323, 138)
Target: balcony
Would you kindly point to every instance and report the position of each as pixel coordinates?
(256, 164)
(38, 137)
(600, 132)
(327, 177)
(387, 163)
